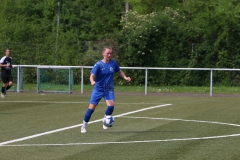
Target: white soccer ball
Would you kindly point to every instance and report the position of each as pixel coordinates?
(108, 121)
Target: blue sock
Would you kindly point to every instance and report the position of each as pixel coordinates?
(109, 110)
(88, 115)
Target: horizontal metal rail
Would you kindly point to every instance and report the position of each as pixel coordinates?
(133, 68)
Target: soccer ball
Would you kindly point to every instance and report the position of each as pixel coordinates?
(108, 121)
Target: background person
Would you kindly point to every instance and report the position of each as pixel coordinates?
(6, 66)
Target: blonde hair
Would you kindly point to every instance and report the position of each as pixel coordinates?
(105, 48)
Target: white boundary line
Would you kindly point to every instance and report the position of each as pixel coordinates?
(125, 142)
(143, 141)
(57, 102)
(184, 120)
(75, 126)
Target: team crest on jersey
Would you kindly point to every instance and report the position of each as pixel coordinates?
(111, 69)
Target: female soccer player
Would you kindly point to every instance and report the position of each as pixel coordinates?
(101, 78)
(6, 65)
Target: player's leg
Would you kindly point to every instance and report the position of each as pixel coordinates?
(94, 100)
(10, 83)
(87, 117)
(89, 112)
(110, 101)
(110, 107)
(4, 80)
(3, 92)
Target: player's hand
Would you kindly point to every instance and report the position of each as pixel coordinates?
(93, 83)
(128, 79)
(10, 65)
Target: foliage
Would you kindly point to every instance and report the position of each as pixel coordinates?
(154, 33)
(149, 6)
(30, 28)
(199, 34)
(154, 40)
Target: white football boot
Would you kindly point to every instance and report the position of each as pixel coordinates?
(83, 128)
(104, 127)
(2, 95)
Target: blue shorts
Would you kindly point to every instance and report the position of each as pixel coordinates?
(97, 95)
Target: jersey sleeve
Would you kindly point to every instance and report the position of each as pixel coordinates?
(95, 68)
(2, 59)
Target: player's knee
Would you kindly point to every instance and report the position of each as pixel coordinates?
(92, 106)
(10, 83)
(110, 102)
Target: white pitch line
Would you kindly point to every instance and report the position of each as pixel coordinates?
(53, 102)
(57, 102)
(79, 125)
(124, 142)
(143, 141)
(185, 120)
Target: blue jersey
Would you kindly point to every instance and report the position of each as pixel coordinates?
(104, 73)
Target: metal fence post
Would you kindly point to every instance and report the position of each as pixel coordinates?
(70, 80)
(211, 82)
(82, 81)
(146, 81)
(18, 79)
(38, 80)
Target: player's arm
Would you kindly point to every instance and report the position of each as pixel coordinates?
(92, 79)
(1, 62)
(3, 65)
(6, 65)
(122, 74)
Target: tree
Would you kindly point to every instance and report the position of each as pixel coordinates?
(149, 6)
(200, 34)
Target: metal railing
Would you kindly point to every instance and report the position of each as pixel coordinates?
(211, 71)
